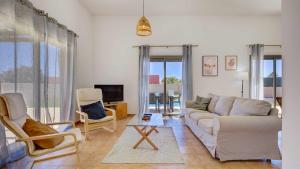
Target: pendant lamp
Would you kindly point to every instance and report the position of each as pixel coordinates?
(143, 27)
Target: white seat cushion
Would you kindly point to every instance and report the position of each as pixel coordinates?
(68, 141)
(107, 118)
(89, 94)
(16, 107)
(206, 125)
(197, 115)
(187, 110)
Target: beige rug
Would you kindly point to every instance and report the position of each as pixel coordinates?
(122, 151)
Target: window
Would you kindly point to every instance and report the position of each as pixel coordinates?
(20, 73)
(165, 84)
(273, 80)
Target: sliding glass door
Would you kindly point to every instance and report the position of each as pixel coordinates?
(165, 84)
(273, 80)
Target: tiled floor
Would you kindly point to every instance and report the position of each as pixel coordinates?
(100, 143)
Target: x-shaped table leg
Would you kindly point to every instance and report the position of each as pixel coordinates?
(145, 136)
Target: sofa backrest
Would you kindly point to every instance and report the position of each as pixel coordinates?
(224, 105)
(213, 102)
(250, 107)
(233, 106)
(220, 105)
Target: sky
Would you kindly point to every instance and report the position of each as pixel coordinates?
(173, 69)
(25, 56)
(268, 68)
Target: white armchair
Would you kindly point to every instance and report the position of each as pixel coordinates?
(90, 95)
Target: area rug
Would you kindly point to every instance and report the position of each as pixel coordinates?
(122, 151)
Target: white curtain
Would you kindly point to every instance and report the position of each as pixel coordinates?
(37, 59)
(257, 71)
(187, 74)
(144, 69)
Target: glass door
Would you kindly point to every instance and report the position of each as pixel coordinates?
(173, 86)
(273, 80)
(165, 84)
(156, 86)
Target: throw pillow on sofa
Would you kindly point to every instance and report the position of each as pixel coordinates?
(224, 105)
(250, 107)
(213, 102)
(94, 111)
(201, 103)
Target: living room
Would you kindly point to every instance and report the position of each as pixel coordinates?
(237, 57)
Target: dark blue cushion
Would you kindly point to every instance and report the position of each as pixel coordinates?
(94, 111)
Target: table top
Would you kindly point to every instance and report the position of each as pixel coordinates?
(156, 120)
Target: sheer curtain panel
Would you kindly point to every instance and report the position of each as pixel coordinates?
(37, 56)
(144, 69)
(187, 74)
(256, 71)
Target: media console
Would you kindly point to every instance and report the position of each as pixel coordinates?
(119, 107)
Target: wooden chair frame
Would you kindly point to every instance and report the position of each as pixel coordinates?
(96, 125)
(28, 140)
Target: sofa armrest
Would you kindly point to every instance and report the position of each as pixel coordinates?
(248, 123)
(247, 137)
(189, 103)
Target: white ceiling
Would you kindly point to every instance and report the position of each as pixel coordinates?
(183, 7)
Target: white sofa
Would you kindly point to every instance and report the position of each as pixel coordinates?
(236, 128)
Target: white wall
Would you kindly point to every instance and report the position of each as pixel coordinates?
(291, 93)
(115, 61)
(72, 14)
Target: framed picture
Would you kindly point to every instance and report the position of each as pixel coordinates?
(231, 62)
(210, 65)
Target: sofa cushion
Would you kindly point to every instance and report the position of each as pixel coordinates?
(201, 103)
(200, 114)
(213, 102)
(224, 105)
(250, 107)
(206, 125)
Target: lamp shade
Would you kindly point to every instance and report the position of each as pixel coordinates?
(143, 27)
(243, 76)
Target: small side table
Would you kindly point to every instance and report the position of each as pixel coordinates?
(142, 126)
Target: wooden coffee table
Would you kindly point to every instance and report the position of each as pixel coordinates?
(145, 128)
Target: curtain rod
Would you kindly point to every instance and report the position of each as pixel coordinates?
(273, 45)
(164, 46)
(269, 45)
(28, 4)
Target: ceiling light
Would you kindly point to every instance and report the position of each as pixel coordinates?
(143, 27)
